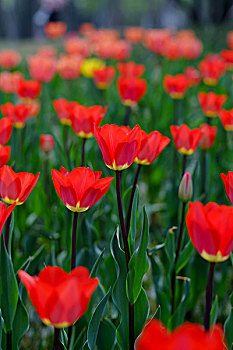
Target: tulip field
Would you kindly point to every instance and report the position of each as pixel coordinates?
(116, 188)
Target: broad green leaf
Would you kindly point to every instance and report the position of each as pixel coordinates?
(8, 287)
(141, 312)
(214, 311)
(228, 326)
(106, 336)
(119, 291)
(156, 248)
(133, 220)
(184, 256)
(11, 232)
(93, 327)
(138, 264)
(20, 325)
(1, 328)
(170, 247)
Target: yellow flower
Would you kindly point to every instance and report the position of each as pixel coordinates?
(89, 65)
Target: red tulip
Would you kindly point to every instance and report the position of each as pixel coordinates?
(81, 188)
(226, 118)
(193, 76)
(151, 146)
(176, 86)
(46, 143)
(131, 69)
(131, 90)
(208, 136)
(29, 89)
(119, 145)
(186, 139)
(210, 229)
(227, 55)
(4, 213)
(188, 336)
(42, 68)
(19, 114)
(211, 103)
(103, 77)
(9, 81)
(134, 34)
(77, 46)
(16, 187)
(55, 30)
(63, 109)
(5, 153)
(9, 59)
(212, 68)
(68, 66)
(83, 119)
(60, 298)
(228, 182)
(5, 130)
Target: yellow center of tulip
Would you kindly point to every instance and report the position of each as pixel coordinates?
(115, 167)
(77, 208)
(214, 258)
(183, 150)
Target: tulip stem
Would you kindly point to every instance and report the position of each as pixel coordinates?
(173, 280)
(65, 142)
(209, 292)
(126, 116)
(7, 232)
(203, 177)
(184, 164)
(128, 217)
(56, 344)
(83, 152)
(127, 255)
(176, 113)
(74, 240)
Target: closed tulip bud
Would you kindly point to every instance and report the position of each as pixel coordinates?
(46, 143)
(186, 188)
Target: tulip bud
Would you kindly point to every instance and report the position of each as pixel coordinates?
(46, 143)
(186, 188)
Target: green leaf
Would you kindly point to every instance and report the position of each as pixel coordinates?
(1, 328)
(170, 248)
(133, 220)
(20, 324)
(178, 317)
(138, 264)
(228, 325)
(184, 256)
(156, 248)
(93, 327)
(106, 336)
(141, 312)
(96, 264)
(11, 217)
(119, 291)
(8, 287)
(214, 311)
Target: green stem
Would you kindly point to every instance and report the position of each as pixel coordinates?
(209, 292)
(9, 340)
(56, 343)
(127, 115)
(83, 152)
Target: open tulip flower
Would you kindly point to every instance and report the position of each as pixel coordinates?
(16, 187)
(68, 66)
(9, 81)
(186, 139)
(208, 136)
(228, 182)
(84, 118)
(103, 77)
(5, 153)
(5, 213)
(212, 67)
(81, 188)
(63, 108)
(119, 145)
(151, 146)
(9, 59)
(131, 90)
(211, 103)
(176, 86)
(226, 118)
(210, 229)
(131, 69)
(19, 114)
(189, 336)
(29, 89)
(60, 298)
(42, 68)
(5, 130)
